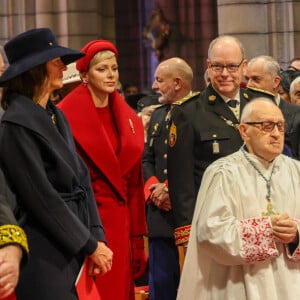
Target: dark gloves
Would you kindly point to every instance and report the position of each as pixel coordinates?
(139, 260)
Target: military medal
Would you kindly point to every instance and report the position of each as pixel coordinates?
(53, 119)
(172, 135)
(155, 128)
(270, 210)
(151, 142)
(215, 147)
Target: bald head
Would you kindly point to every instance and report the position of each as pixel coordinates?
(262, 128)
(173, 80)
(178, 67)
(226, 41)
(259, 107)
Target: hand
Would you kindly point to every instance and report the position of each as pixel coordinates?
(10, 258)
(284, 229)
(160, 196)
(100, 260)
(163, 203)
(139, 261)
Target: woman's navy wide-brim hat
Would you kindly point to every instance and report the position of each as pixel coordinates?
(32, 48)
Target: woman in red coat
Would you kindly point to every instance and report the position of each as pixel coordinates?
(110, 138)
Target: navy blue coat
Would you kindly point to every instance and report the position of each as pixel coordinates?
(56, 205)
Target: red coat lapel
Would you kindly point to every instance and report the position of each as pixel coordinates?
(89, 133)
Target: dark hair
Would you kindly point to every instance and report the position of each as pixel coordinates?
(294, 59)
(286, 78)
(28, 84)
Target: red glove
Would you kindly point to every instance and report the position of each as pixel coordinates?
(138, 257)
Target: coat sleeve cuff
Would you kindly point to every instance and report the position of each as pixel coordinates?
(182, 234)
(13, 234)
(257, 239)
(90, 246)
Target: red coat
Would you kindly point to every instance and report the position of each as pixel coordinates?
(117, 180)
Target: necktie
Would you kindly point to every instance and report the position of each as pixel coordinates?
(232, 103)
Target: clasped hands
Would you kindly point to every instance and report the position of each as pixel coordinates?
(284, 229)
(10, 258)
(160, 196)
(101, 260)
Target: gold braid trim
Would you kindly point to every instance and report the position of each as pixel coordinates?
(13, 234)
(186, 98)
(182, 234)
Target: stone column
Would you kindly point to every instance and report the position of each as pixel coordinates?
(73, 22)
(265, 27)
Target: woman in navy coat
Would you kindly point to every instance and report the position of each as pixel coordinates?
(56, 205)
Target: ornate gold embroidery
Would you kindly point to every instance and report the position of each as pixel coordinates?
(182, 234)
(172, 135)
(189, 96)
(13, 234)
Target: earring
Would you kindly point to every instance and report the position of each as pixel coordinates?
(84, 81)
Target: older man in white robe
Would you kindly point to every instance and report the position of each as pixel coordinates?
(244, 240)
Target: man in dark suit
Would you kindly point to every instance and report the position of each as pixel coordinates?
(263, 72)
(173, 83)
(205, 130)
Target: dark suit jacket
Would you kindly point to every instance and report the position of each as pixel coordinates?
(291, 113)
(53, 189)
(197, 127)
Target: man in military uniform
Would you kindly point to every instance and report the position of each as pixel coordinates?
(205, 130)
(173, 82)
(263, 72)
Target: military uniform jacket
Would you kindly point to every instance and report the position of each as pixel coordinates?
(201, 131)
(53, 190)
(160, 222)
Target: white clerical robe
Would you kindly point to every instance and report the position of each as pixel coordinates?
(231, 252)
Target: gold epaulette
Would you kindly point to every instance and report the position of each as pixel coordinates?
(182, 234)
(186, 98)
(267, 93)
(13, 234)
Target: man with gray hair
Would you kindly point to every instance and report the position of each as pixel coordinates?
(295, 91)
(263, 72)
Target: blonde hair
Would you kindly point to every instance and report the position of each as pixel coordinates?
(100, 56)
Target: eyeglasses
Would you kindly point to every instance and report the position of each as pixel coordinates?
(268, 126)
(230, 68)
